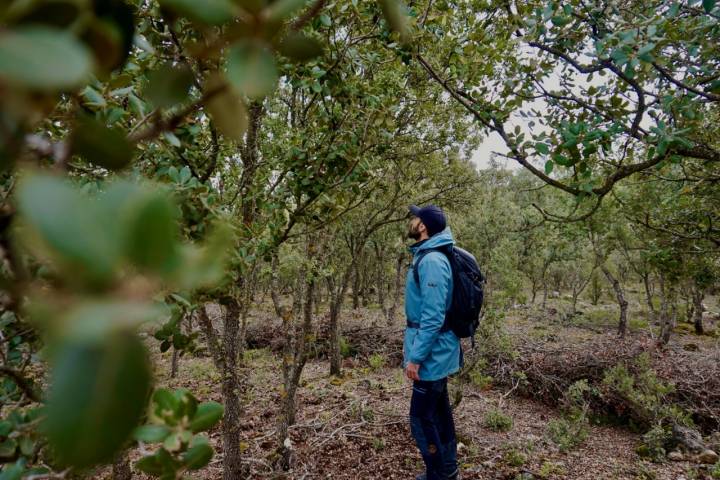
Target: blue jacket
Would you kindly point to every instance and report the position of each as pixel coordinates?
(438, 354)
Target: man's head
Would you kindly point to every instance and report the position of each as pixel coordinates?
(426, 222)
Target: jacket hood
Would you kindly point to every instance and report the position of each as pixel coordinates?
(438, 240)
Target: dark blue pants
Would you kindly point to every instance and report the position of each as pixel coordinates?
(432, 426)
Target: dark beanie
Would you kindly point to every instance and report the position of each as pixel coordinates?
(432, 216)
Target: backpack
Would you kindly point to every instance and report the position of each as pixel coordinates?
(463, 317)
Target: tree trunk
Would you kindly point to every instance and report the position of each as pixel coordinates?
(534, 289)
(620, 298)
(334, 334)
(668, 310)
(356, 288)
(232, 458)
(649, 297)
(595, 288)
(698, 296)
(174, 364)
(294, 359)
(392, 311)
(577, 290)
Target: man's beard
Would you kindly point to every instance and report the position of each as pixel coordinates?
(413, 233)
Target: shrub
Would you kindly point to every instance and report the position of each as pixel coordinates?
(514, 458)
(346, 349)
(571, 430)
(376, 361)
(654, 443)
(480, 380)
(550, 468)
(567, 433)
(498, 421)
(647, 394)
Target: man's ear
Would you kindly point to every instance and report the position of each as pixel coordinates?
(422, 227)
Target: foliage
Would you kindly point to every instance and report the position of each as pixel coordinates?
(176, 418)
(573, 428)
(376, 361)
(655, 443)
(514, 458)
(645, 392)
(497, 421)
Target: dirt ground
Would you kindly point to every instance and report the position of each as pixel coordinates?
(356, 426)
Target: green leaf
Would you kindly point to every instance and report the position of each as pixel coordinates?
(394, 12)
(151, 433)
(210, 12)
(169, 85)
(206, 416)
(166, 405)
(300, 47)
(27, 446)
(708, 5)
(198, 455)
(14, 471)
(172, 442)
(251, 69)
(8, 448)
(43, 58)
(542, 148)
(150, 465)
(549, 167)
(77, 234)
(227, 111)
(5, 428)
(101, 145)
(187, 403)
(93, 98)
(98, 395)
(152, 231)
(205, 266)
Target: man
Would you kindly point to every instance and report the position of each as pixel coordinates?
(431, 352)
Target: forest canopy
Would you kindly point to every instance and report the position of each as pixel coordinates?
(184, 180)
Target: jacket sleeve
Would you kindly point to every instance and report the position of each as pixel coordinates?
(435, 275)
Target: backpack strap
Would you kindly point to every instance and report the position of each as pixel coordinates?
(416, 275)
(420, 256)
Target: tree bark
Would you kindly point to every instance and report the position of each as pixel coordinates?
(232, 456)
(356, 288)
(649, 297)
(392, 311)
(174, 364)
(668, 310)
(620, 298)
(294, 357)
(698, 296)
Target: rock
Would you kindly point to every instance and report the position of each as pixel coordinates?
(688, 439)
(708, 457)
(676, 456)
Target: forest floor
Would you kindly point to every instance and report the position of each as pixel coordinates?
(356, 427)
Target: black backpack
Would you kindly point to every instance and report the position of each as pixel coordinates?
(463, 317)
